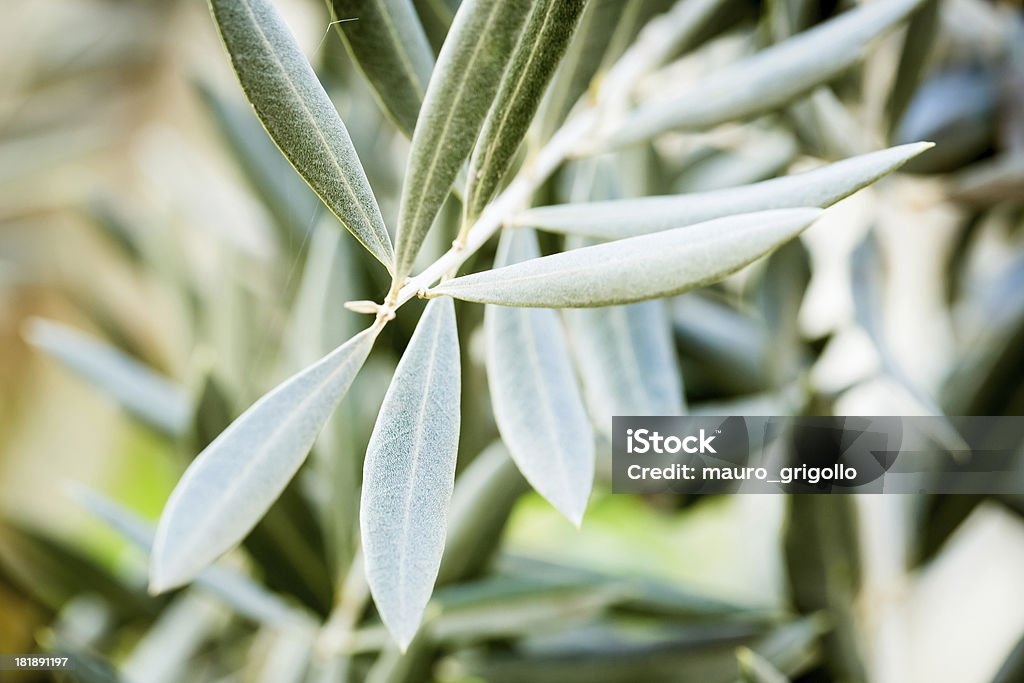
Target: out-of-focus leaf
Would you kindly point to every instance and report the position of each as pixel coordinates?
(481, 504)
(239, 592)
(756, 669)
(771, 78)
(662, 657)
(231, 484)
(989, 182)
(386, 40)
(300, 117)
(542, 43)
(409, 473)
(53, 572)
(922, 30)
(637, 268)
(436, 17)
(291, 202)
(582, 61)
(620, 218)
(155, 400)
(459, 95)
(957, 110)
(1013, 668)
(627, 360)
(534, 394)
(823, 567)
(164, 654)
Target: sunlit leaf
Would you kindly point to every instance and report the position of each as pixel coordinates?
(542, 43)
(386, 40)
(620, 218)
(637, 268)
(409, 473)
(771, 78)
(299, 116)
(535, 397)
(233, 482)
(459, 95)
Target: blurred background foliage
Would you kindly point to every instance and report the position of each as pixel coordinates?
(143, 207)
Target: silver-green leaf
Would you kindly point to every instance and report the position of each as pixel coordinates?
(771, 78)
(387, 41)
(637, 268)
(409, 473)
(627, 360)
(154, 399)
(459, 95)
(235, 480)
(299, 116)
(542, 43)
(619, 218)
(535, 396)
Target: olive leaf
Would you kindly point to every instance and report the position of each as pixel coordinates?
(769, 79)
(459, 95)
(619, 218)
(627, 360)
(154, 399)
(299, 116)
(388, 43)
(234, 481)
(540, 48)
(534, 394)
(409, 473)
(637, 268)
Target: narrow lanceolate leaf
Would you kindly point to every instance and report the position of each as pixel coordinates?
(409, 473)
(536, 400)
(299, 116)
(459, 94)
(627, 360)
(771, 78)
(234, 481)
(620, 218)
(387, 41)
(637, 268)
(148, 396)
(541, 46)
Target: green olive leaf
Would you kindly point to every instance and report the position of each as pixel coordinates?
(542, 43)
(387, 41)
(459, 95)
(299, 116)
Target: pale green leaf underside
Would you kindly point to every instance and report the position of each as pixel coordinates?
(459, 95)
(387, 41)
(155, 400)
(534, 394)
(299, 116)
(540, 48)
(409, 473)
(235, 480)
(637, 268)
(770, 79)
(621, 218)
(627, 360)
